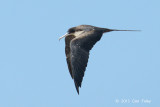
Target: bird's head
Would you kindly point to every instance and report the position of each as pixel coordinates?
(87, 28)
(78, 30)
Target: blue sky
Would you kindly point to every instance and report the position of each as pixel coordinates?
(123, 65)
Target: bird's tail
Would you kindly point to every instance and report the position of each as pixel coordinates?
(109, 30)
(123, 30)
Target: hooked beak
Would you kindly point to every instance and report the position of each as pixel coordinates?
(63, 36)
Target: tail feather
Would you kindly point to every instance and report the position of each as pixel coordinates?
(109, 30)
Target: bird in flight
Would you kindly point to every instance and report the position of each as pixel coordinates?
(79, 41)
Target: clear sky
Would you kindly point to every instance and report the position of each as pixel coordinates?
(122, 66)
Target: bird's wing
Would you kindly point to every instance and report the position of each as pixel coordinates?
(80, 48)
(67, 51)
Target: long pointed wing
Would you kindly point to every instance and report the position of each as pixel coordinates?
(80, 48)
(67, 51)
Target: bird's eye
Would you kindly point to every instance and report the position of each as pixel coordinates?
(71, 30)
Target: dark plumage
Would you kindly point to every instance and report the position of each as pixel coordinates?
(79, 41)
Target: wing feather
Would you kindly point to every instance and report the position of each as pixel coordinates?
(79, 54)
(67, 51)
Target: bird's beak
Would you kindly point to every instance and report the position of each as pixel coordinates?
(63, 36)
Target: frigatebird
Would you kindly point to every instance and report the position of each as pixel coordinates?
(79, 41)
